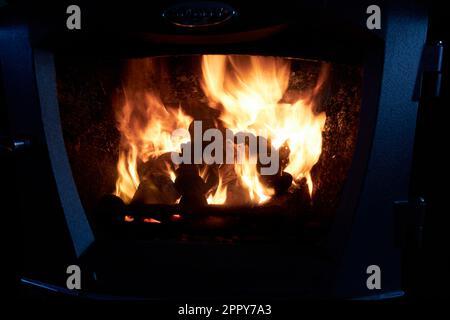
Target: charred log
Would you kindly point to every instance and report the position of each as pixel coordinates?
(191, 186)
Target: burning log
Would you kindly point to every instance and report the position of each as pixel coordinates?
(303, 191)
(206, 124)
(162, 164)
(265, 222)
(157, 188)
(191, 186)
(294, 197)
(210, 175)
(156, 184)
(282, 183)
(284, 153)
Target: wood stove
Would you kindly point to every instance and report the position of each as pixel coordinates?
(336, 102)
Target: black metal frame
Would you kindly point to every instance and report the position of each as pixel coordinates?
(333, 271)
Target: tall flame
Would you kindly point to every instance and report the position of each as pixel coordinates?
(220, 195)
(249, 177)
(146, 126)
(248, 91)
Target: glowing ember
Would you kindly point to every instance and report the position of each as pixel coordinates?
(151, 220)
(175, 217)
(128, 218)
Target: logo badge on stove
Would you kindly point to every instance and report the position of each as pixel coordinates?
(199, 14)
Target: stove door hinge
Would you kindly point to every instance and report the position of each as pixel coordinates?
(430, 74)
(410, 219)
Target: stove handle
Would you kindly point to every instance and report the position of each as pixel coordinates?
(11, 146)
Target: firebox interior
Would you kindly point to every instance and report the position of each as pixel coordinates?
(119, 115)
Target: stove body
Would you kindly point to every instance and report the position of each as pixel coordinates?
(58, 230)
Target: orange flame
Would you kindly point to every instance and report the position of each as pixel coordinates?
(146, 127)
(220, 195)
(248, 174)
(248, 91)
